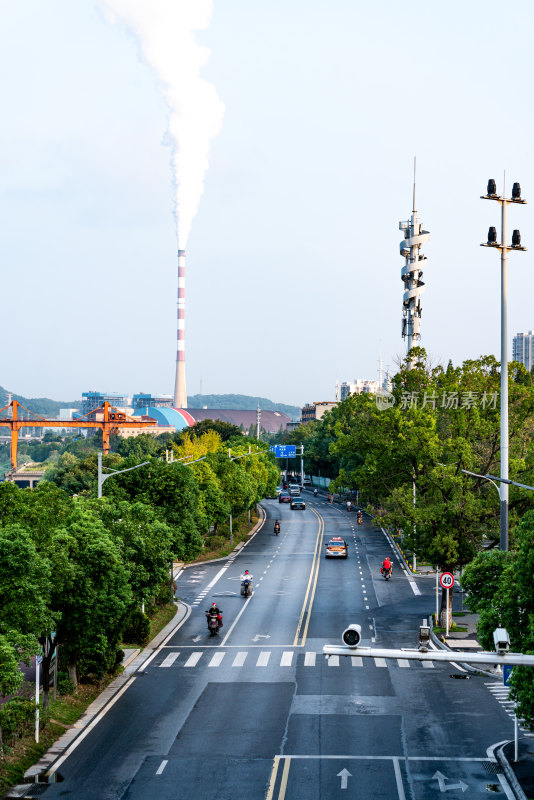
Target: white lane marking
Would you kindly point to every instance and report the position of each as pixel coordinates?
(403, 662)
(216, 660)
(161, 767)
(216, 578)
(427, 664)
(239, 660)
(333, 661)
(193, 659)
(380, 662)
(263, 658)
(171, 658)
(247, 601)
(309, 659)
(287, 658)
(357, 661)
(398, 778)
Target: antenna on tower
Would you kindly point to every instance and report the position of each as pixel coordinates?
(414, 171)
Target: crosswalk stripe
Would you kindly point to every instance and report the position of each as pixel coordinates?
(333, 661)
(239, 660)
(169, 661)
(263, 658)
(193, 659)
(216, 660)
(357, 661)
(287, 658)
(403, 662)
(428, 664)
(309, 659)
(380, 662)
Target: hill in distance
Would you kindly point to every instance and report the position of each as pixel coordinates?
(50, 408)
(39, 405)
(242, 402)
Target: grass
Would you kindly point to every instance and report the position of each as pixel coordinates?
(453, 629)
(219, 546)
(63, 713)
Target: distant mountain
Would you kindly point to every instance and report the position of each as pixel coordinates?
(39, 405)
(241, 402)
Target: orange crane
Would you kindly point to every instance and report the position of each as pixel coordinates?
(106, 417)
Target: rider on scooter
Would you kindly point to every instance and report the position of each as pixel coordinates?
(387, 566)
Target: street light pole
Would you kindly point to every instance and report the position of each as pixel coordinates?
(503, 247)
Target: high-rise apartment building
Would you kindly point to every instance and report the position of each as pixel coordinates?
(523, 349)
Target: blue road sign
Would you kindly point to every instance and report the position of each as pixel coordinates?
(507, 670)
(284, 450)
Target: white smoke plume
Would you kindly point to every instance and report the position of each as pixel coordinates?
(165, 31)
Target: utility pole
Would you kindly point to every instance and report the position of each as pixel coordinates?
(503, 247)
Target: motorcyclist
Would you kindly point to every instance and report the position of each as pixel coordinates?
(387, 566)
(276, 527)
(315, 492)
(214, 612)
(359, 517)
(348, 505)
(246, 576)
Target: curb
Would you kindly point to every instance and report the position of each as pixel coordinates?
(467, 667)
(510, 774)
(96, 710)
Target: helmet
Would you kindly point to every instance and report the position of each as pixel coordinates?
(214, 605)
(246, 572)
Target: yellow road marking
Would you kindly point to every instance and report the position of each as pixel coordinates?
(312, 582)
(283, 782)
(274, 772)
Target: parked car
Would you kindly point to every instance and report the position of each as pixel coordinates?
(298, 502)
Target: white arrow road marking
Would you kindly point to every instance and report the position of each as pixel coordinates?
(261, 636)
(443, 786)
(344, 775)
(197, 638)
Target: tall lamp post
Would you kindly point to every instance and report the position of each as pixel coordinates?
(504, 248)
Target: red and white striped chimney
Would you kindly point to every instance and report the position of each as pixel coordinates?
(180, 391)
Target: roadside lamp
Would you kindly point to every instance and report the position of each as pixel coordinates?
(516, 238)
(516, 191)
(492, 236)
(492, 187)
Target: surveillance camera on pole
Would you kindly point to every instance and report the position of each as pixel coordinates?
(502, 640)
(424, 637)
(352, 636)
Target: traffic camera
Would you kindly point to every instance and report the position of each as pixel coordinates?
(424, 637)
(352, 636)
(502, 640)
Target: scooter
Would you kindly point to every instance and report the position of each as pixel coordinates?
(386, 573)
(315, 492)
(277, 528)
(214, 623)
(246, 588)
(359, 517)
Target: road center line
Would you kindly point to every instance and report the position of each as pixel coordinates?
(161, 767)
(236, 620)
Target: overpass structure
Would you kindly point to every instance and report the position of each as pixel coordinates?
(107, 418)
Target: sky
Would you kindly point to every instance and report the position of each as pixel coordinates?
(293, 265)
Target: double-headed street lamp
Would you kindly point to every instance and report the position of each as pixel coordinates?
(504, 248)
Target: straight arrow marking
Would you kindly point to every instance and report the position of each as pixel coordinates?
(344, 775)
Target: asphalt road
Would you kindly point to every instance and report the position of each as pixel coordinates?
(259, 712)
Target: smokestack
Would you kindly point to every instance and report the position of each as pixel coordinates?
(180, 391)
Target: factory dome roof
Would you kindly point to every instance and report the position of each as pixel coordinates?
(165, 417)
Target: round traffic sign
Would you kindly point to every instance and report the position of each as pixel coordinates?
(447, 580)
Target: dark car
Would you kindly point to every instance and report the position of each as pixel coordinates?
(298, 502)
(336, 548)
(284, 497)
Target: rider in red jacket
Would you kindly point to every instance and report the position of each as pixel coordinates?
(386, 565)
